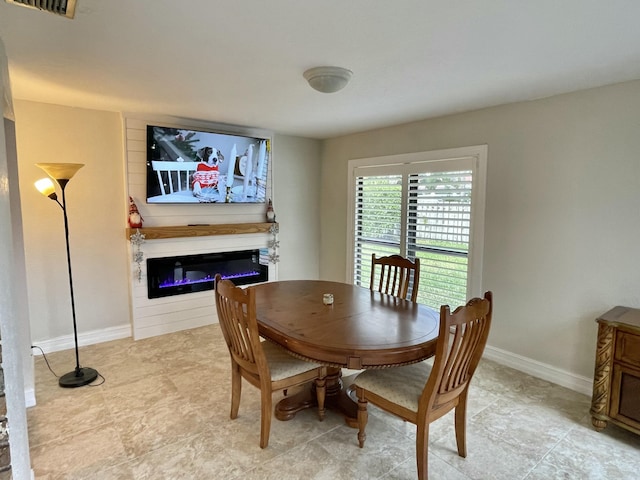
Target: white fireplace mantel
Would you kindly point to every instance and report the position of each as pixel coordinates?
(158, 316)
(155, 233)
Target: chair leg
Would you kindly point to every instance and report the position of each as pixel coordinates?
(363, 417)
(461, 425)
(265, 416)
(236, 389)
(422, 450)
(320, 396)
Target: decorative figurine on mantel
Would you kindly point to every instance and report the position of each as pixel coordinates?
(271, 215)
(135, 219)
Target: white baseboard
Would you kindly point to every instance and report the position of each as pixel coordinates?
(538, 369)
(30, 397)
(66, 342)
(541, 370)
(170, 327)
(89, 338)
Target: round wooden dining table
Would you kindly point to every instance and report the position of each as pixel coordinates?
(361, 329)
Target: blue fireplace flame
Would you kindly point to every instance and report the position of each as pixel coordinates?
(207, 278)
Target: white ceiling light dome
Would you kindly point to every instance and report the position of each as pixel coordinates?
(328, 79)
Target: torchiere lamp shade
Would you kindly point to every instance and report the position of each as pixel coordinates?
(60, 171)
(46, 187)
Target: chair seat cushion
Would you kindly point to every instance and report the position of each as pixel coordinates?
(283, 365)
(400, 385)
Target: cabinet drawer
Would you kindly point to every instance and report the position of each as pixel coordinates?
(628, 348)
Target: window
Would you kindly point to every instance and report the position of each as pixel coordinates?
(429, 206)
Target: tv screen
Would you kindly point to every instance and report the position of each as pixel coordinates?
(185, 165)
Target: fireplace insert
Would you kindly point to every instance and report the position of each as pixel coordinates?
(195, 273)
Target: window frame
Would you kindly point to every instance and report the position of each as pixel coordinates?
(473, 156)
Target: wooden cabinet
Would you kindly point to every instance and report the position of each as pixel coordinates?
(616, 382)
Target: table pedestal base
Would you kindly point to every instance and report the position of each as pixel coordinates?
(337, 398)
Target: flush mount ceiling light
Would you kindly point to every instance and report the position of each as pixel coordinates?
(328, 79)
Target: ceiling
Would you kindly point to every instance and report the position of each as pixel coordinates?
(241, 61)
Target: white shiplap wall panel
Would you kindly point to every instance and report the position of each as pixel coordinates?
(177, 323)
(138, 134)
(158, 316)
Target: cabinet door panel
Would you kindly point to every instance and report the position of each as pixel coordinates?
(625, 404)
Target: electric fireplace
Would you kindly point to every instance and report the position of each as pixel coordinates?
(195, 273)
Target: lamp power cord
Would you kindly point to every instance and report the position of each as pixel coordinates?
(58, 376)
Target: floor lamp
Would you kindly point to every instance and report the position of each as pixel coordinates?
(62, 173)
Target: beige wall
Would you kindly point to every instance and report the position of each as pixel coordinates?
(562, 213)
(97, 215)
(296, 187)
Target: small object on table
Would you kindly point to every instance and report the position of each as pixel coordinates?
(327, 299)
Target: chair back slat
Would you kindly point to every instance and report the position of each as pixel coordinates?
(396, 275)
(469, 335)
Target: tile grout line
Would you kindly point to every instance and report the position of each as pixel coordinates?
(551, 449)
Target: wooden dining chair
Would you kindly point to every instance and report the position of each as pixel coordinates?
(396, 275)
(263, 364)
(421, 393)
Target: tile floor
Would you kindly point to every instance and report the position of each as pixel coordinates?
(163, 413)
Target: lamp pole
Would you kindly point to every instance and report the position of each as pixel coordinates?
(79, 376)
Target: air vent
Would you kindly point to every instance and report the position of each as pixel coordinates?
(64, 8)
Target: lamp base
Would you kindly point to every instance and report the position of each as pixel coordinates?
(78, 378)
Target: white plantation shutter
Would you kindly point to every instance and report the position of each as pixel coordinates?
(378, 221)
(422, 210)
(439, 224)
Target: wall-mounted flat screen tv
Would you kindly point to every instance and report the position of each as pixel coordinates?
(185, 165)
